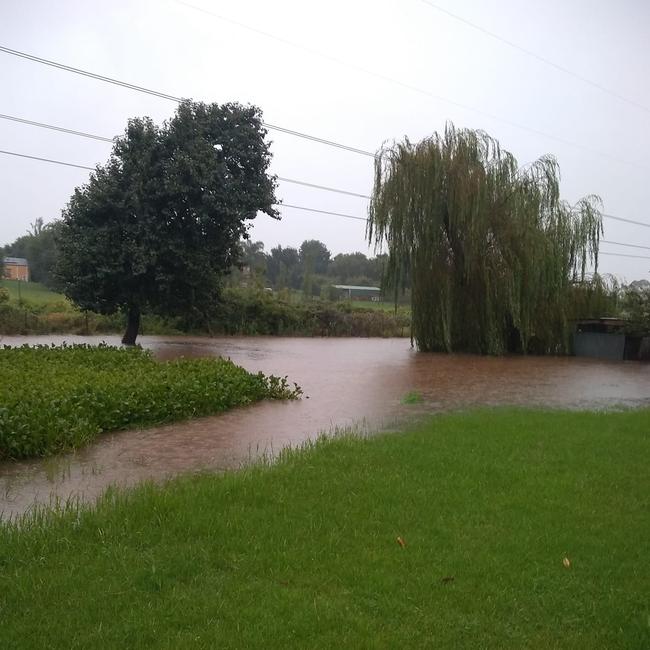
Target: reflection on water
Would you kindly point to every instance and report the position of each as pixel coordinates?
(347, 381)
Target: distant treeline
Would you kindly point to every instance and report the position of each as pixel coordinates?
(310, 268)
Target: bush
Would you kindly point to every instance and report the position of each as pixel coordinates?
(250, 312)
(240, 311)
(57, 398)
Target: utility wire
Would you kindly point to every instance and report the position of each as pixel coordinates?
(86, 73)
(55, 128)
(329, 189)
(281, 205)
(620, 243)
(286, 180)
(636, 223)
(313, 138)
(162, 95)
(105, 139)
(323, 187)
(48, 160)
(407, 86)
(637, 257)
(173, 98)
(534, 55)
(335, 214)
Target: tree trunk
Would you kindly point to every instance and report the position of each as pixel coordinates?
(132, 326)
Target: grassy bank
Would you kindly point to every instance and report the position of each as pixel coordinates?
(257, 312)
(57, 398)
(305, 553)
(241, 311)
(32, 293)
(31, 308)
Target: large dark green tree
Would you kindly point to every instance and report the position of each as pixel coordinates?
(157, 227)
(491, 251)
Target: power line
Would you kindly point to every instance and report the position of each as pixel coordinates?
(638, 257)
(86, 73)
(408, 86)
(313, 138)
(300, 207)
(282, 205)
(55, 128)
(329, 189)
(306, 136)
(619, 243)
(83, 134)
(534, 55)
(48, 160)
(636, 223)
(286, 180)
(323, 187)
(335, 214)
(156, 93)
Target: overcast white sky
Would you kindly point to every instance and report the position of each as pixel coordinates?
(167, 46)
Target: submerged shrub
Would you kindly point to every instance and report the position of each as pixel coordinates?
(60, 397)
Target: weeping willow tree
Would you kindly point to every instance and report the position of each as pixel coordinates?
(489, 249)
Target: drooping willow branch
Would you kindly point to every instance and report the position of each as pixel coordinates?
(489, 249)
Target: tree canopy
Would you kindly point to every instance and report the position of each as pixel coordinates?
(314, 256)
(283, 267)
(490, 249)
(158, 225)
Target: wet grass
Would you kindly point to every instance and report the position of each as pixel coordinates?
(58, 398)
(32, 292)
(305, 553)
(382, 305)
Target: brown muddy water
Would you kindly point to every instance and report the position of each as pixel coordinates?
(349, 382)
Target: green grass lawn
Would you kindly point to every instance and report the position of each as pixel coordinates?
(383, 305)
(32, 292)
(305, 553)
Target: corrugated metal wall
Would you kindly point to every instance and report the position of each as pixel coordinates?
(598, 345)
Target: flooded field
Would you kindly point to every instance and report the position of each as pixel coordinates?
(346, 382)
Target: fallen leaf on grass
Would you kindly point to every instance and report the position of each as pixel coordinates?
(566, 562)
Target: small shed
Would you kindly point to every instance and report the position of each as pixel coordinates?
(354, 292)
(605, 338)
(16, 268)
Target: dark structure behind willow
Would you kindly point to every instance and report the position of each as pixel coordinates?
(491, 253)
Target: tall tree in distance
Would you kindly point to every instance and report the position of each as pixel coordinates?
(39, 247)
(315, 256)
(490, 249)
(314, 260)
(283, 267)
(157, 227)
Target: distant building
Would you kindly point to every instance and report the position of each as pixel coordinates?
(16, 268)
(352, 292)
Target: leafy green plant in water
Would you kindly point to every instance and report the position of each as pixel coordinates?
(412, 397)
(57, 398)
(490, 249)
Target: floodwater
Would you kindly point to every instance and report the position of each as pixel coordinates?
(347, 382)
